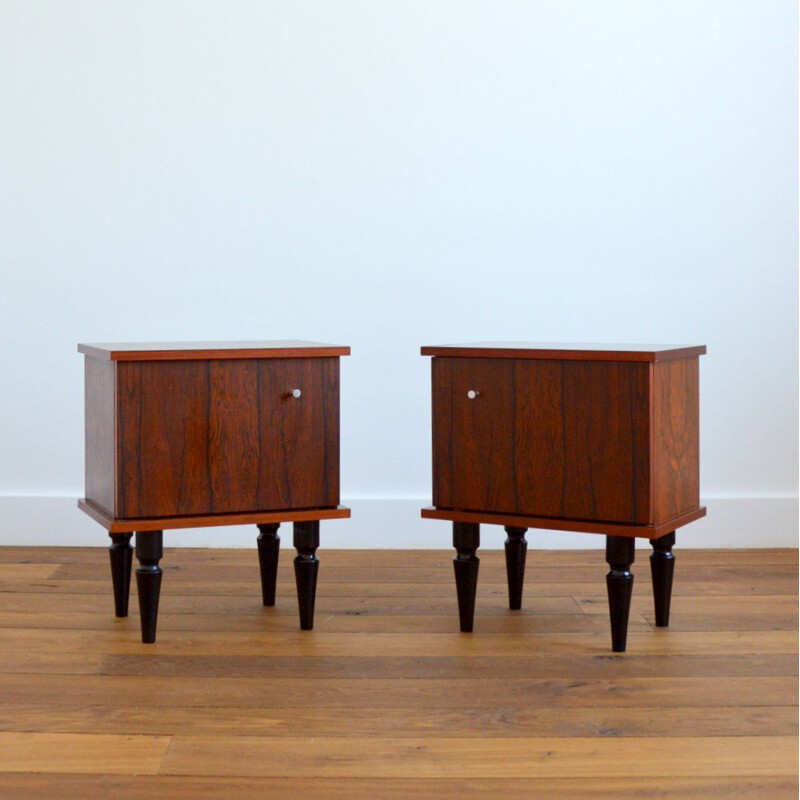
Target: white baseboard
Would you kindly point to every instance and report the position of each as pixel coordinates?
(395, 523)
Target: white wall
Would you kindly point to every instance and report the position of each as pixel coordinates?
(391, 174)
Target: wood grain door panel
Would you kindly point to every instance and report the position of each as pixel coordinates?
(299, 437)
(544, 438)
(221, 436)
(606, 428)
(473, 452)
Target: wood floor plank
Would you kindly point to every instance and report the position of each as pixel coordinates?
(726, 622)
(302, 643)
(22, 573)
(501, 721)
(532, 666)
(542, 665)
(246, 556)
(761, 606)
(418, 693)
(260, 620)
(44, 663)
(507, 667)
(178, 573)
(758, 607)
(781, 584)
(435, 757)
(72, 752)
(96, 787)
(173, 602)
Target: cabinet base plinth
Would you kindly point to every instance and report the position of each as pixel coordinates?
(557, 524)
(114, 525)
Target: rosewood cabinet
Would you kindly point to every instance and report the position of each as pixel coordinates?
(182, 435)
(594, 438)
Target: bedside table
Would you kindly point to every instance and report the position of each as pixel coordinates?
(593, 438)
(184, 435)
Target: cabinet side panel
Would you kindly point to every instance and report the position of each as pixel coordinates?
(100, 462)
(442, 430)
(676, 440)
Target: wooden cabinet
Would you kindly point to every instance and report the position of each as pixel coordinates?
(199, 434)
(594, 438)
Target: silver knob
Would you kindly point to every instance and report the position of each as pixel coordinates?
(296, 393)
(472, 394)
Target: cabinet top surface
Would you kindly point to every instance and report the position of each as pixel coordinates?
(182, 351)
(566, 350)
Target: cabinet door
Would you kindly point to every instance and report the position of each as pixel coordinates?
(221, 436)
(299, 437)
(564, 439)
(473, 437)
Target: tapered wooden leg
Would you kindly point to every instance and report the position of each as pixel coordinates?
(269, 547)
(121, 555)
(620, 552)
(516, 548)
(149, 550)
(466, 540)
(662, 568)
(306, 567)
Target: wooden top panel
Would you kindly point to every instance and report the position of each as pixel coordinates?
(566, 351)
(189, 351)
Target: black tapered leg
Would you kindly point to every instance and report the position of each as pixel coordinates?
(620, 552)
(121, 555)
(466, 540)
(306, 567)
(516, 548)
(149, 550)
(269, 546)
(662, 568)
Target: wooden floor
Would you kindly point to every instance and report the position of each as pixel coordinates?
(385, 699)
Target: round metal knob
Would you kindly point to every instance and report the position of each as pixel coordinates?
(296, 393)
(472, 394)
